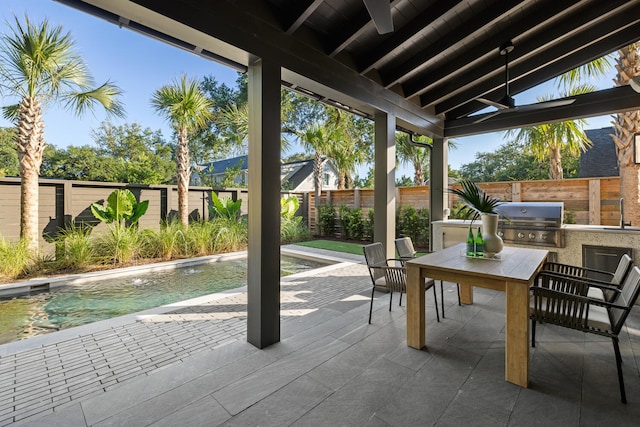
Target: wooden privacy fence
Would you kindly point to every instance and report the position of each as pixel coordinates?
(62, 202)
(588, 200)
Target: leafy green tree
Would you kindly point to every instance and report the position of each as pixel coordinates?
(142, 156)
(78, 163)
(404, 181)
(9, 163)
(296, 157)
(187, 109)
(512, 162)
(39, 66)
(366, 182)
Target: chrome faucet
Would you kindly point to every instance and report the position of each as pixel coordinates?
(622, 223)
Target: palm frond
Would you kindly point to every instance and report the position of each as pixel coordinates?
(475, 200)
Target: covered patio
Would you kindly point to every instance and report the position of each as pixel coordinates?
(191, 365)
(327, 366)
(421, 67)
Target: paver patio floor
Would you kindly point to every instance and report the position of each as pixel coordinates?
(191, 365)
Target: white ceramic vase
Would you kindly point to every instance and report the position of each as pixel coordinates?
(492, 242)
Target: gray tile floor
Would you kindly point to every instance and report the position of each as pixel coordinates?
(331, 368)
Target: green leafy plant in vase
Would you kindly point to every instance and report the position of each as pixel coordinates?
(478, 204)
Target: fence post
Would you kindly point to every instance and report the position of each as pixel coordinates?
(594, 201)
(516, 196)
(356, 198)
(67, 203)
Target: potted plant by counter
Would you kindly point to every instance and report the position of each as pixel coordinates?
(477, 203)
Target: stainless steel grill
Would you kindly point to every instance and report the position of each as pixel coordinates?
(532, 223)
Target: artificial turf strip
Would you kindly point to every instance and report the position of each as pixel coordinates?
(334, 245)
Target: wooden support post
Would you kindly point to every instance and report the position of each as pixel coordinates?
(384, 204)
(263, 279)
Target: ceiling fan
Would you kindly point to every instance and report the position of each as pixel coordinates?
(380, 11)
(507, 104)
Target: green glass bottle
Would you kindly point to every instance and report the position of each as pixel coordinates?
(479, 241)
(471, 244)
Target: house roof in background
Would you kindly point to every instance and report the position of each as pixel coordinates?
(220, 166)
(599, 160)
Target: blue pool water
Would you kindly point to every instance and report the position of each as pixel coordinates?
(75, 305)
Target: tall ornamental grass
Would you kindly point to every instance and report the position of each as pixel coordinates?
(15, 258)
(74, 248)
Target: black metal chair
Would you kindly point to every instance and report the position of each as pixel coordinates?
(406, 251)
(391, 277)
(563, 301)
(615, 279)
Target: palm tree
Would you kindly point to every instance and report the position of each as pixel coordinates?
(626, 125)
(39, 66)
(418, 157)
(549, 140)
(187, 109)
(318, 138)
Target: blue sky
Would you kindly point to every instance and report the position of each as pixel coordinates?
(140, 65)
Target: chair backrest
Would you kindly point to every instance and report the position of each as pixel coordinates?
(626, 298)
(375, 255)
(624, 266)
(404, 247)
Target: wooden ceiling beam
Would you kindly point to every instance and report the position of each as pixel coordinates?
(603, 102)
(298, 14)
(546, 65)
(394, 73)
(227, 22)
(430, 78)
(537, 53)
(359, 24)
(369, 60)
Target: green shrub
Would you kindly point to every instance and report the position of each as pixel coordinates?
(224, 208)
(569, 217)
(121, 206)
(369, 226)
(351, 222)
(413, 223)
(327, 224)
(293, 230)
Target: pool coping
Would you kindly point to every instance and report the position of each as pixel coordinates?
(90, 328)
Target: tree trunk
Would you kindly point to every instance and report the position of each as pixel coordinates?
(418, 175)
(341, 182)
(626, 125)
(183, 174)
(555, 164)
(317, 186)
(31, 145)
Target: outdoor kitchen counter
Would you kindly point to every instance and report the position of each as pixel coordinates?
(450, 232)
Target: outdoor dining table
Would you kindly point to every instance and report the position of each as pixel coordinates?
(512, 273)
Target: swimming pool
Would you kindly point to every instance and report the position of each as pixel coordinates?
(75, 305)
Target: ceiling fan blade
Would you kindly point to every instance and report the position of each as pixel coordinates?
(492, 103)
(489, 115)
(380, 11)
(544, 104)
